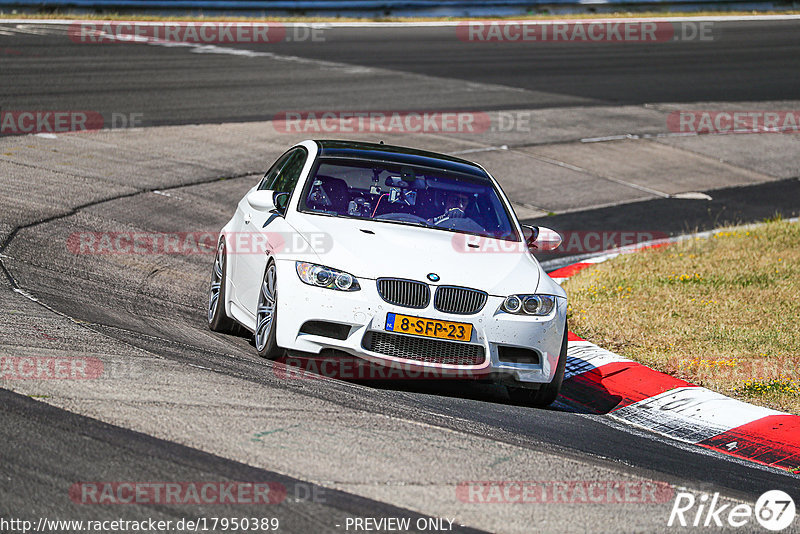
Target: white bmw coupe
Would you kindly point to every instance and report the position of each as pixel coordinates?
(397, 256)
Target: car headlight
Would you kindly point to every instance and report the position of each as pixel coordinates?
(321, 276)
(540, 305)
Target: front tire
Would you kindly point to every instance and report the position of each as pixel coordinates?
(266, 315)
(547, 393)
(218, 321)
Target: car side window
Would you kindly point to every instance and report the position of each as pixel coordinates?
(287, 177)
(273, 171)
(283, 176)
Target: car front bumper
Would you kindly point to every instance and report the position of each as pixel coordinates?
(365, 312)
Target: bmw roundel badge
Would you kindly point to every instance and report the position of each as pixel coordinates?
(433, 277)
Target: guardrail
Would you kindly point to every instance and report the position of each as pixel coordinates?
(380, 7)
(323, 5)
(320, 5)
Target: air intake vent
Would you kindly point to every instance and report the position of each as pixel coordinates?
(424, 350)
(407, 293)
(326, 329)
(461, 300)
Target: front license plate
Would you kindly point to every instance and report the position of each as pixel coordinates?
(405, 324)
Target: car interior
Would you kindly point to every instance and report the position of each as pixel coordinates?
(405, 194)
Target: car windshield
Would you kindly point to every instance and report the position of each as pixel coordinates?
(405, 194)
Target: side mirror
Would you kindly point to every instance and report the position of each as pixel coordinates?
(530, 233)
(267, 200)
(540, 238)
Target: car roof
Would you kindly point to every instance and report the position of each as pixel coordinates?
(398, 154)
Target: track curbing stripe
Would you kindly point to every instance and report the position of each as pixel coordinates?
(748, 442)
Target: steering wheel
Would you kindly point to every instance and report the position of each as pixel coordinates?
(452, 213)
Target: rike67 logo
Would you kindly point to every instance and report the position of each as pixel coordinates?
(774, 510)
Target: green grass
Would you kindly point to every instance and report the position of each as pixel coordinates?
(721, 312)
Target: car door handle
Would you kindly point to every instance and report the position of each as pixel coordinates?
(247, 218)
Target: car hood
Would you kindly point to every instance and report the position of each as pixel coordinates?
(372, 250)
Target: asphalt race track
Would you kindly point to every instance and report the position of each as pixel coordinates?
(753, 61)
(177, 403)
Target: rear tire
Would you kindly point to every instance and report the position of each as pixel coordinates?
(265, 336)
(547, 393)
(218, 321)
